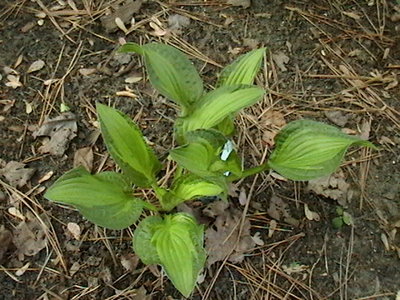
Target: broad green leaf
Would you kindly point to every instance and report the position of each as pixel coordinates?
(243, 70)
(308, 149)
(217, 105)
(142, 244)
(179, 244)
(127, 147)
(103, 198)
(191, 186)
(170, 72)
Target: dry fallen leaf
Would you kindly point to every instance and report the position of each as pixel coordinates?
(281, 59)
(61, 130)
(29, 237)
(177, 22)
(272, 227)
(75, 230)
(124, 13)
(18, 61)
(16, 173)
(337, 117)
(13, 81)
(311, 215)
(158, 30)
(279, 210)
(84, 157)
(129, 261)
(133, 79)
(8, 104)
(333, 186)
(294, 268)
(87, 72)
(15, 212)
(221, 238)
(46, 177)
(243, 196)
(23, 269)
(74, 268)
(271, 122)
(36, 66)
(257, 239)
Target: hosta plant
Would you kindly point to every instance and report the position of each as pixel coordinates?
(206, 160)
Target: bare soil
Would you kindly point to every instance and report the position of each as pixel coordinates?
(335, 61)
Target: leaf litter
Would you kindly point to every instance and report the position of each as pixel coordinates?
(16, 174)
(334, 187)
(124, 13)
(36, 66)
(279, 210)
(221, 238)
(5, 242)
(29, 237)
(61, 130)
(84, 157)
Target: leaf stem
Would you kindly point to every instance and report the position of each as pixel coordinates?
(252, 171)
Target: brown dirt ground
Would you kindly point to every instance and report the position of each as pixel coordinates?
(323, 57)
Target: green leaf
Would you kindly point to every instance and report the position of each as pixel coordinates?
(176, 243)
(347, 219)
(127, 147)
(337, 222)
(227, 126)
(307, 149)
(217, 105)
(243, 70)
(103, 199)
(201, 151)
(204, 154)
(179, 244)
(191, 186)
(170, 72)
(142, 244)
